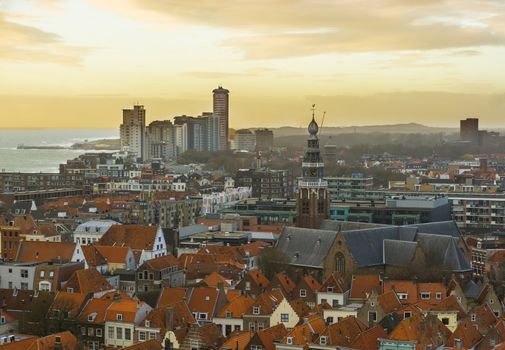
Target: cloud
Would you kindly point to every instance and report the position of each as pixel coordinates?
(25, 43)
(283, 28)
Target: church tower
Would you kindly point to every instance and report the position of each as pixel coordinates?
(313, 202)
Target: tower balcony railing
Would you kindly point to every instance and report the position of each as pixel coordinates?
(312, 165)
(312, 184)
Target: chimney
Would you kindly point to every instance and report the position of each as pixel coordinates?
(57, 342)
(169, 319)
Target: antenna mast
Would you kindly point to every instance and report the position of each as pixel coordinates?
(322, 122)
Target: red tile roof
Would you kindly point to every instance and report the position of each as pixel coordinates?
(362, 286)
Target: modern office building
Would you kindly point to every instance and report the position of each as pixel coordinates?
(349, 187)
(221, 110)
(264, 140)
(266, 183)
(133, 132)
(469, 130)
(245, 140)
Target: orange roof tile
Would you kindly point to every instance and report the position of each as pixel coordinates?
(368, 339)
(389, 302)
(137, 237)
(272, 334)
(336, 282)
(203, 300)
(34, 251)
(362, 286)
(87, 281)
(214, 279)
(68, 302)
(67, 341)
(113, 254)
(467, 333)
(259, 278)
(237, 307)
(237, 340)
(343, 332)
(425, 330)
(170, 296)
(162, 262)
(232, 294)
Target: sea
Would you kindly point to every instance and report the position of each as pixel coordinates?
(44, 160)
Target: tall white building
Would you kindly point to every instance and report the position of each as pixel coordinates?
(221, 110)
(133, 132)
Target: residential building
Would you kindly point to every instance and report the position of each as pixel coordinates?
(266, 183)
(133, 132)
(160, 272)
(221, 110)
(264, 140)
(91, 231)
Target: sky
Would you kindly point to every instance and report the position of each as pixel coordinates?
(78, 63)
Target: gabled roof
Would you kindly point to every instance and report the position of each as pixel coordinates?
(300, 306)
(363, 285)
(401, 286)
(236, 308)
(450, 303)
(312, 283)
(36, 251)
(271, 335)
(214, 279)
(124, 305)
(259, 278)
(336, 281)
(389, 302)
(203, 299)
(306, 247)
(266, 304)
(113, 254)
(368, 339)
(308, 331)
(87, 281)
(344, 332)
(162, 262)
(425, 330)
(467, 333)
(69, 302)
(137, 237)
(67, 341)
(93, 256)
(170, 296)
(179, 312)
(237, 340)
(284, 282)
(152, 344)
(94, 311)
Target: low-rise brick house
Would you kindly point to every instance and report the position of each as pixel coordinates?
(334, 291)
(253, 283)
(307, 290)
(230, 318)
(377, 306)
(155, 274)
(91, 323)
(52, 276)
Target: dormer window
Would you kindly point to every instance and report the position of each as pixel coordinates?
(329, 289)
(256, 310)
(289, 340)
(323, 340)
(119, 317)
(148, 323)
(303, 293)
(228, 314)
(70, 290)
(207, 298)
(473, 317)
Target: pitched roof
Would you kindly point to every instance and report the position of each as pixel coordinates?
(336, 281)
(67, 341)
(214, 279)
(362, 286)
(389, 302)
(344, 332)
(36, 251)
(170, 296)
(284, 281)
(203, 299)
(69, 302)
(306, 247)
(271, 335)
(93, 256)
(450, 303)
(306, 332)
(423, 329)
(368, 339)
(400, 286)
(467, 333)
(152, 344)
(137, 237)
(87, 281)
(162, 262)
(237, 340)
(179, 312)
(259, 278)
(94, 310)
(312, 283)
(237, 307)
(121, 304)
(113, 254)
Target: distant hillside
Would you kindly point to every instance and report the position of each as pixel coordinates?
(410, 128)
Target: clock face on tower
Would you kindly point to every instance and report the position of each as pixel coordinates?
(313, 172)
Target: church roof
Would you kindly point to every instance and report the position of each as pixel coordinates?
(306, 247)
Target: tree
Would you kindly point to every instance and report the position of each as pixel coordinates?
(272, 261)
